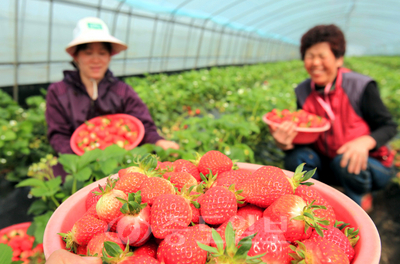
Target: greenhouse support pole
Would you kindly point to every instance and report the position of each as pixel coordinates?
(188, 43)
(49, 40)
(15, 88)
(128, 29)
(219, 45)
(210, 47)
(99, 8)
(153, 36)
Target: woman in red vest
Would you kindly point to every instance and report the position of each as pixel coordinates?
(353, 152)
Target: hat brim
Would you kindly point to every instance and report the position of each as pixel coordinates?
(116, 44)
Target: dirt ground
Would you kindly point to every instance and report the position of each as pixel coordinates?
(386, 216)
(14, 204)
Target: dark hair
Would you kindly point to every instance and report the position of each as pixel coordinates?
(107, 46)
(324, 33)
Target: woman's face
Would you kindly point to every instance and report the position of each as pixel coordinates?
(321, 64)
(93, 61)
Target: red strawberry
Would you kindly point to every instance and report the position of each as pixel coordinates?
(181, 247)
(180, 179)
(83, 231)
(251, 213)
(239, 225)
(96, 244)
(318, 250)
(140, 259)
(92, 197)
(169, 213)
(92, 211)
(182, 165)
(134, 225)
(130, 182)
(108, 205)
(231, 253)
(345, 241)
(230, 177)
(81, 250)
(218, 205)
(215, 161)
(269, 239)
(153, 187)
(309, 194)
(166, 166)
(268, 183)
(291, 212)
(148, 249)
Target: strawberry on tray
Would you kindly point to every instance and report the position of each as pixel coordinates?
(309, 126)
(100, 132)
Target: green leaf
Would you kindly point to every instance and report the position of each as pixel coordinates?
(31, 182)
(113, 249)
(108, 166)
(6, 254)
(88, 157)
(69, 162)
(230, 238)
(218, 240)
(38, 226)
(38, 207)
(207, 248)
(83, 175)
(8, 135)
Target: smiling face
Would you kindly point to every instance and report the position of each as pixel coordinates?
(321, 64)
(93, 61)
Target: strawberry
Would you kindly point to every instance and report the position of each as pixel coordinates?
(269, 239)
(134, 225)
(346, 241)
(217, 205)
(96, 244)
(230, 253)
(92, 211)
(168, 213)
(108, 205)
(130, 182)
(295, 217)
(318, 250)
(83, 231)
(81, 250)
(251, 213)
(146, 165)
(182, 165)
(92, 197)
(140, 259)
(239, 225)
(180, 179)
(215, 161)
(153, 187)
(309, 194)
(165, 166)
(148, 249)
(230, 177)
(181, 247)
(268, 183)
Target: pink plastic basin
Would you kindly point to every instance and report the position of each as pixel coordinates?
(22, 226)
(367, 250)
(305, 135)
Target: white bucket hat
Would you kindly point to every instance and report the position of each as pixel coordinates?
(93, 29)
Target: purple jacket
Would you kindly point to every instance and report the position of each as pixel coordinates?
(68, 105)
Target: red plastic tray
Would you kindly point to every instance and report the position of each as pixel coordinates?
(305, 135)
(23, 226)
(136, 122)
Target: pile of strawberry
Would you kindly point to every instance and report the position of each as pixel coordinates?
(209, 211)
(22, 246)
(300, 117)
(103, 131)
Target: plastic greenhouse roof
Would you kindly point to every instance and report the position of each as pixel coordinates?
(371, 26)
(171, 35)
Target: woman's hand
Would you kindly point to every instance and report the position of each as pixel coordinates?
(62, 256)
(355, 153)
(166, 144)
(284, 134)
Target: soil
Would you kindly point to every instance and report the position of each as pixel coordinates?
(14, 203)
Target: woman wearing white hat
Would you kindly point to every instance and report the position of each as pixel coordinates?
(92, 90)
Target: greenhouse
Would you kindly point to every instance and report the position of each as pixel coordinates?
(204, 105)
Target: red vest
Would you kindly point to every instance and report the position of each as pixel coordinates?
(345, 102)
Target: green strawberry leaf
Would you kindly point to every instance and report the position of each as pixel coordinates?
(6, 254)
(218, 240)
(230, 238)
(207, 248)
